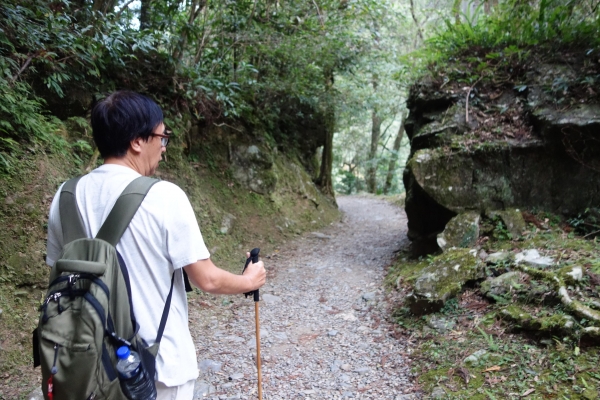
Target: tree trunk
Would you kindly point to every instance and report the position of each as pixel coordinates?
(325, 181)
(372, 168)
(195, 7)
(417, 24)
(394, 158)
(145, 14)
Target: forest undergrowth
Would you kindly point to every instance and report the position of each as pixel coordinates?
(470, 349)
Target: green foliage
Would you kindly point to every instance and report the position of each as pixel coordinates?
(489, 340)
(450, 307)
(21, 118)
(268, 64)
(586, 223)
(496, 45)
(500, 232)
(515, 25)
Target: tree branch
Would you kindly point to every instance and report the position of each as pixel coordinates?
(577, 308)
(25, 65)
(319, 13)
(118, 14)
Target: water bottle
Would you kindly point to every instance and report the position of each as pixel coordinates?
(135, 383)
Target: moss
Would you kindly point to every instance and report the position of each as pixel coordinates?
(555, 322)
(444, 278)
(404, 271)
(571, 274)
(548, 324)
(515, 313)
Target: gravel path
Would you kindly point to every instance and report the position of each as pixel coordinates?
(324, 333)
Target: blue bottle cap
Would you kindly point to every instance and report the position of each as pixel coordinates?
(123, 352)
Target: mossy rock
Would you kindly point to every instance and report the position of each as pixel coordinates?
(501, 285)
(512, 219)
(499, 257)
(557, 323)
(461, 231)
(443, 279)
(253, 168)
(571, 274)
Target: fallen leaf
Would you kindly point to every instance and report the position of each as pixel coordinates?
(494, 368)
(527, 392)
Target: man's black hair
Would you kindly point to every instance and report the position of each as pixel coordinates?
(122, 117)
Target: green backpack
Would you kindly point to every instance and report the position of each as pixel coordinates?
(87, 313)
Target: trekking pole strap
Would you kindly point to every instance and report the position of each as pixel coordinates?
(124, 209)
(165, 314)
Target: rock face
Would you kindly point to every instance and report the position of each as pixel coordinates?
(460, 164)
(253, 168)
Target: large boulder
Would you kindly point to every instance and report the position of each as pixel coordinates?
(443, 279)
(458, 164)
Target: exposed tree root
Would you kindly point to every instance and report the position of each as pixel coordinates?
(573, 306)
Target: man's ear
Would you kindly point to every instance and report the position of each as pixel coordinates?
(136, 145)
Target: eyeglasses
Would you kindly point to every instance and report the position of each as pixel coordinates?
(164, 139)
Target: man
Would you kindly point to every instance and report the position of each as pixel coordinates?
(163, 236)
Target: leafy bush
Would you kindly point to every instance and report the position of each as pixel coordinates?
(522, 24)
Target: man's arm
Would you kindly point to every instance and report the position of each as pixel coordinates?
(212, 279)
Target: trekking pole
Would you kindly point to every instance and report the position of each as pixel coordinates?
(254, 258)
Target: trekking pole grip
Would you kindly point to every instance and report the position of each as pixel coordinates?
(254, 258)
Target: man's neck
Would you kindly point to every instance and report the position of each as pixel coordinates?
(125, 162)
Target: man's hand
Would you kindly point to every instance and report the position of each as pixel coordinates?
(256, 273)
(212, 279)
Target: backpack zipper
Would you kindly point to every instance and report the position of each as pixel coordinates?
(54, 370)
(53, 297)
(73, 279)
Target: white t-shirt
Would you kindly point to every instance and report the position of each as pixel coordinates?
(163, 237)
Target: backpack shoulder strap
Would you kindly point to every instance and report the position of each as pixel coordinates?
(70, 217)
(124, 209)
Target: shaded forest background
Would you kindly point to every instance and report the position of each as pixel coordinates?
(291, 74)
(324, 80)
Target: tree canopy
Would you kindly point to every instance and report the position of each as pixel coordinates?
(297, 73)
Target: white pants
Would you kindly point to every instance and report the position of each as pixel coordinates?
(181, 392)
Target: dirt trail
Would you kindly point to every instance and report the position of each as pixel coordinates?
(323, 318)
